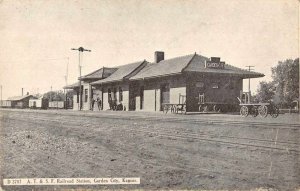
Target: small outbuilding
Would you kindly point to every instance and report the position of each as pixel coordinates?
(38, 103)
(20, 101)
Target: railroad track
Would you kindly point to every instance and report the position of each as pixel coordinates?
(184, 120)
(208, 137)
(213, 140)
(170, 134)
(175, 165)
(182, 132)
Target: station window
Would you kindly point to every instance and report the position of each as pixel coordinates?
(77, 97)
(214, 85)
(109, 94)
(85, 95)
(199, 84)
(115, 94)
(120, 94)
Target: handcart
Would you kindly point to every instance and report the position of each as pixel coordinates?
(255, 109)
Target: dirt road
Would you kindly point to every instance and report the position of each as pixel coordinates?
(166, 153)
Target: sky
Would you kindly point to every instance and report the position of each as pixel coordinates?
(37, 36)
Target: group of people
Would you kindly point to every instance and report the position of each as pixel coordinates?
(99, 104)
(113, 105)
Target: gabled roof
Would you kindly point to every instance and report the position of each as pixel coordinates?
(189, 63)
(197, 64)
(18, 98)
(99, 74)
(123, 72)
(95, 75)
(38, 96)
(164, 67)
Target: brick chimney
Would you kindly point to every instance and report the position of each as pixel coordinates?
(159, 56)
(215, 59)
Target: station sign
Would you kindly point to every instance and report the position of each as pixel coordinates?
(214, 63)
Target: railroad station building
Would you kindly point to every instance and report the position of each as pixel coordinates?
(144, 86)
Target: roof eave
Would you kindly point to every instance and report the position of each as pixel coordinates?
(258, 75)
(157, 76)
(107, 82)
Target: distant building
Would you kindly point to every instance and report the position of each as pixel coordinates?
(38, 102)
(20, 101)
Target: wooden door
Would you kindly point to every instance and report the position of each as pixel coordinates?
(164, 95)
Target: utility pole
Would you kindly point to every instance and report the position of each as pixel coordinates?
(249, 69)
(80, 49)
(66, 79)
(51, 94)
(1, 96)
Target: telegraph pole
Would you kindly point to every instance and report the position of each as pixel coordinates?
(1, 96)
(80, 49)
(51, 94)
(249, 69)
(66, 80)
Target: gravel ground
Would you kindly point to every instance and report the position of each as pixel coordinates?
(165, 152)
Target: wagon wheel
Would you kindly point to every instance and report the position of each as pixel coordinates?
(200, 108)
(215, 108)
(165, 110)
(244, 111)
(274, 112)
(263, 111)
(254, 111)
(205, 108)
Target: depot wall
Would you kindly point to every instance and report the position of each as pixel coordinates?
(115, 89)
(153, 90)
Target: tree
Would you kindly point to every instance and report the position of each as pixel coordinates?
(55, 95)
(265, 92)
(286, 80)
(284, 88)
(70, 94)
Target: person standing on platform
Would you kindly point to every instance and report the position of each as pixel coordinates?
(93, 103)
(99, 103)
